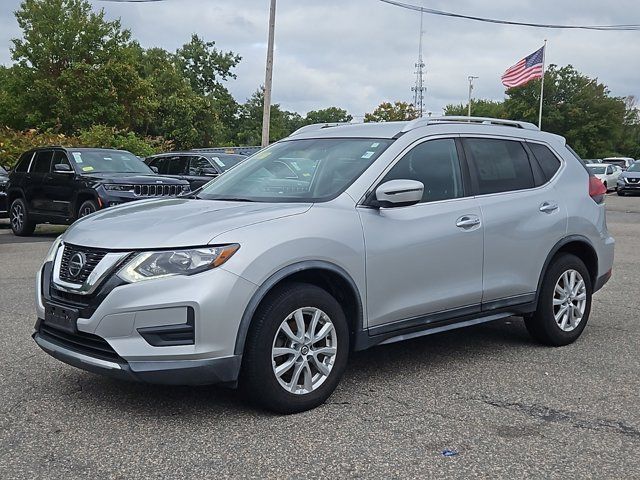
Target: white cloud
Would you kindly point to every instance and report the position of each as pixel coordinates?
(358, 53)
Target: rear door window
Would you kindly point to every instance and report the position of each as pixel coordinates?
(499, 165)
(546, 159)
(42, 162)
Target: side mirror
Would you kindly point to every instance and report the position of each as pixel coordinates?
(62, 168)
(399, 193)
(155, 169)
(209, 171)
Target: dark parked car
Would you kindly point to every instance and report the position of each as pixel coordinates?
(197, 168)
(4, 178)
(59, 185)
(629, 181)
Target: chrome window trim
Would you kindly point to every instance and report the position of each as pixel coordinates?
(523, 140)
(104, 268)
(33, 155)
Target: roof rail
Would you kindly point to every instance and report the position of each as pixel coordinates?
(423, 122)
(317, 126)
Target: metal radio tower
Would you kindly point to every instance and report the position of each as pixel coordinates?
(418, 89)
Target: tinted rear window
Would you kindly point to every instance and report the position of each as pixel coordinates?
(546, 158)
(501, 165)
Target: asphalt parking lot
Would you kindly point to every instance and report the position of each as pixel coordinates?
(508, 407)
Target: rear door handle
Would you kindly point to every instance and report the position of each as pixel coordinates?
(548, 207)
(467, 221)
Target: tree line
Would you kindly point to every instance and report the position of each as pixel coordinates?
(78, 77)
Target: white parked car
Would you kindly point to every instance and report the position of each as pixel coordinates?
(622, 162)
(608, 174)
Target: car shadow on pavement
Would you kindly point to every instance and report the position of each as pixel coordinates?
(419, 356)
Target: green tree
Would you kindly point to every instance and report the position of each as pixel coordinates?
(73, 68)
(327, 115)
(575, 106)
(204, 66)
(479, 108)
(250, 121)
(388, 112)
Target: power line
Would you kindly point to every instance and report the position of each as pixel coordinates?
(431, 11)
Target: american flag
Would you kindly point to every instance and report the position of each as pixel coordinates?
(529, 68)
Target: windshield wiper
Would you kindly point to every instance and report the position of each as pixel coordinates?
(233, 199)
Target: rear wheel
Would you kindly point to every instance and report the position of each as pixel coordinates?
(296, 350)
(87, 208)
(21, 222)
(564, 302)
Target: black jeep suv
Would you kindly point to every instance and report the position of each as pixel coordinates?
(60, 185)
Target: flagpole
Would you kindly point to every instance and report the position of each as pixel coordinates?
(544, 58)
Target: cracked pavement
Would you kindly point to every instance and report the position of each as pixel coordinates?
(508, 407)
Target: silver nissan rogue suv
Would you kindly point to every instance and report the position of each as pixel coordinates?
(335, 239)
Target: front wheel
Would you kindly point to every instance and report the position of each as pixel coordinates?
(21, 223)
(87, 208)
(296, 349)
(564, 302)
(621, 193)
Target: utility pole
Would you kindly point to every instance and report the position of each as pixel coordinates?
(268, 77)
(471, 79)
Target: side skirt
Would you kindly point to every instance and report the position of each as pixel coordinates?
(444, 321)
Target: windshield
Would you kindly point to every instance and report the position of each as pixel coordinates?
(108, 161)
(313, 170)
(635, 167)
(615, 161)
(226, 161)
(598, 170)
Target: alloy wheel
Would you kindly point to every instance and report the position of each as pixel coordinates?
(569, 300)
(304, 350)
(17, 216)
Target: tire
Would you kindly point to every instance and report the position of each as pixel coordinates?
(87, 208)
(542, 325)
(258, 378)
(621, 193)
(21, 223)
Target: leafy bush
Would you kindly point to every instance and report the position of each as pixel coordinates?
(15, 142)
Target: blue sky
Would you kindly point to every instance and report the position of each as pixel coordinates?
(358, 53)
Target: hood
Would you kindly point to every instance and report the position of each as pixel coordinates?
(132, 178)
(169, 223)
(628, 174)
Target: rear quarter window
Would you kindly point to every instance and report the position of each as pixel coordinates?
(547, 160)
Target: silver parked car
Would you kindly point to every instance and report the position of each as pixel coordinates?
(335, 239)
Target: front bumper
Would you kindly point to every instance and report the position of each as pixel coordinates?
(119, 314)
(4, 205)
(167, 372)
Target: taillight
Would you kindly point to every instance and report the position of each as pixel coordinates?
(597, 190)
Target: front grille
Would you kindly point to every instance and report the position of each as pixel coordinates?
(157, 190)
(92, 257)
(3, 187)
(633, 180)
(80, 342)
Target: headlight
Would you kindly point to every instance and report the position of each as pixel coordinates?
(118, 188)
(51, 256)
(167, 263)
